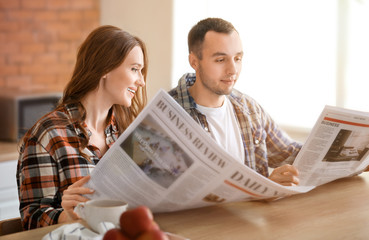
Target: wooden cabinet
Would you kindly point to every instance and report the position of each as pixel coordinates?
(9, 203)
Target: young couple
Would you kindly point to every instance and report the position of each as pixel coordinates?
(107, 92)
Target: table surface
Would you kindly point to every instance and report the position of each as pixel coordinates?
(337, 210)
(8, 151)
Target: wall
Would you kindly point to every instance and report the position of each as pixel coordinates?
(38, 46)
(39, 40)
(152, 22)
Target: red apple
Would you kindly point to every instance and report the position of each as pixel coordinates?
(115, 234)
(153, 234)
(136, 221)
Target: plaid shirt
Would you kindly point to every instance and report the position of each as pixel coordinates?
(265, 144)
(50, 161)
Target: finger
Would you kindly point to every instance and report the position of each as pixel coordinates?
(81, 182)
(280, 170)
(281, 179)
(284, 179)
(287, 168)
(71, 204)
(78, 198)
(79, 190)
(295, 180)
(293, 170)
(290, 168)
(289, 178)
(290, 182)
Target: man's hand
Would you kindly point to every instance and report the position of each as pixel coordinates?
(286, 175)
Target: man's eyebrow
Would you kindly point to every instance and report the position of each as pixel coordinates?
(217, 54)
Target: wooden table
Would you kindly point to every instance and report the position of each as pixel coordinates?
(8, 151)
(337, 210)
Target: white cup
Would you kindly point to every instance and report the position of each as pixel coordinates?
(95, 212)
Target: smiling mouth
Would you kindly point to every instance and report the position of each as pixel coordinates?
(131, 90)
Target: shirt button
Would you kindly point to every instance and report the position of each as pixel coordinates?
(206, 129)
(257, 142)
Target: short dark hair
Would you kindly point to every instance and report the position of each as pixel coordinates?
(197, 33)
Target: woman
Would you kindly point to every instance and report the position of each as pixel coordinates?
(105, 94)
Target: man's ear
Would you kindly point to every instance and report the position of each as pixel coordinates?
(192, 58)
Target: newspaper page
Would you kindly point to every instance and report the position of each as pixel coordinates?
(166, 161)
(337, 147)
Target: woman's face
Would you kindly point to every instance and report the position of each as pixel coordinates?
(121, 84)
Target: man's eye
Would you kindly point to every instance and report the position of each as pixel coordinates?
(238, 59)
(135, 69)
(219, 60)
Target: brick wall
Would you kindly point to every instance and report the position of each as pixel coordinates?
(39, 41)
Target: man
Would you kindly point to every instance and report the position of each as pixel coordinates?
(233, 119)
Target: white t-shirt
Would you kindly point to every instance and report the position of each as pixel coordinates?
(224, 128)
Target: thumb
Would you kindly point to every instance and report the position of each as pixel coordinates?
(82, 181)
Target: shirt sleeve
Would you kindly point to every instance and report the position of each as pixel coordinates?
(38, 186)
(46, 167)
(280, 147)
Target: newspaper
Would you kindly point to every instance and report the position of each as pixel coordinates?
(166, 161)
(337, 147)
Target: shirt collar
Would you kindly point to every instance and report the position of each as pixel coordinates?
(186, 81)
(73, 114)
(111, 131)
(188, 103)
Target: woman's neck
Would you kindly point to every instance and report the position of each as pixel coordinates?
(97, 111)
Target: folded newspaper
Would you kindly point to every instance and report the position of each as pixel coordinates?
(166, 161)
(337, 147)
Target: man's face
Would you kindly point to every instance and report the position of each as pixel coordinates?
(221, 63)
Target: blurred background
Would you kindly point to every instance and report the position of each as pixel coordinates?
(300, 55)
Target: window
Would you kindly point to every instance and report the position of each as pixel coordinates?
(356, 84)
(299, 55)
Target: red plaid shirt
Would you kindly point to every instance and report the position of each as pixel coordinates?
(50, 160)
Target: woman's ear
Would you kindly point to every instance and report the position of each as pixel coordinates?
(193, 60)
(104, 77)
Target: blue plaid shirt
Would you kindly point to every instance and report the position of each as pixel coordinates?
(265, 144)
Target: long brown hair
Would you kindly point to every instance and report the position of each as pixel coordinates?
(104, 49)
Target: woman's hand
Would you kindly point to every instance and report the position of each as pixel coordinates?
(286, 175)
(71, 197)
